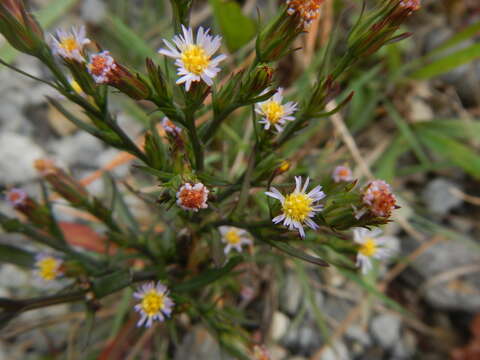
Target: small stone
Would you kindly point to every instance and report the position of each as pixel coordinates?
(359, 334)
(280, 324)
(17, 154)
(405, 348)
(386, 329)
(338, 351)
(291, 294)
(198, 344)
(79, 149)
(438, 197)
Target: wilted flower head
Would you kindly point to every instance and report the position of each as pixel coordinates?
(48, 267)
(372, 246)
(170, 127)
(378, 197)
(299, 206)
(411, 5)
(194, 58)
(342, 173)
(69, 45)
(274, 113)
(308, 10)
(155, 304)
(192, 197)
(101, 67)
(16, 197)
(234, 238)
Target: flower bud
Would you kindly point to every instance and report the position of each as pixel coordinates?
(62, 183)
(257, 81)
(33, 211)
(105, 70)
(20, 28)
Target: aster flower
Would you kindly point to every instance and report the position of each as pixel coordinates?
(342, 173)
(275, 113)
(16, 197)
(299, 207)
(308, 10)
(48, 267)
(378, 197)
(155, 304)
(194, 58)
(372, 246)
(102, 66)
(69, 45)
(192, 197)
(234, 238)
(170, 127)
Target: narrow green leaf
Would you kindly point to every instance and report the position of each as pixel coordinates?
(207, 277)
(452, 150)
(468, 33)
(236, 28)
(448, 62)
(13, 255)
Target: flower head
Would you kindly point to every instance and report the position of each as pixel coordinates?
(16, 197)
(299, 206)
(342, 173)
(274, 112)
(234, 238)
(372, 246)
(69, 45)
(308, 10)
(48, 267)
(155, 304)
(194, 58)
(378, 197)
(170, 127)
(192, 197)
(102, 67)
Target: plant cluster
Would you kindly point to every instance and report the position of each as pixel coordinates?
(178, 269)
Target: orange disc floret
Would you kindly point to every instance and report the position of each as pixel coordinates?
(308, 10)
(101, 67)
(192, 197)
(378, 197)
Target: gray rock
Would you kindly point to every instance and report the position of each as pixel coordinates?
(17, 154)
(386, 329)
(336, 352)
(405, 348)
(198, 344)
(359, 334)
(291, 294)
(303, 338)
(438, 198)
(279, 326)
(452, 293)
(78, 149)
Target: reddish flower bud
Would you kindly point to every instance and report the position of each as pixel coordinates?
(379, 199)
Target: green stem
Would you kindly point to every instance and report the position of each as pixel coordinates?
(196, 144)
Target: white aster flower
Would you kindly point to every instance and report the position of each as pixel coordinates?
(48, 267)
(274, 113)
(372, 246)
(299, 206)
(69, 45)
(234, 238)
(194, 58)
(155, 304)
(192, 197)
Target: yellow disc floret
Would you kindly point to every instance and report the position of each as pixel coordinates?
(297, 206)
(69, 44)
(195, 59)
(273, 111)
(152, 303)
(48, 268)
(369, 247)
(232, 237)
